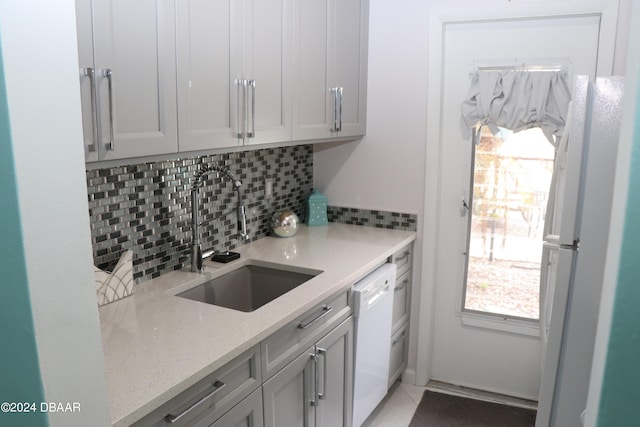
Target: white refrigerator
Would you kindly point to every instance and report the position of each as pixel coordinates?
(576, 234)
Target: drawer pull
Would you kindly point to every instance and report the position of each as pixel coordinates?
(403, 285)
(326, 309)
(397, 340)
(217, 386)
(404, 255)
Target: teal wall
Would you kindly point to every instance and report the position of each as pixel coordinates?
(620, 395)
(20, 379)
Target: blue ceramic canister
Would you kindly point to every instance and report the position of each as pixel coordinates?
(316, 209)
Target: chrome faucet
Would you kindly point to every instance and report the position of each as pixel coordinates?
(196, 247)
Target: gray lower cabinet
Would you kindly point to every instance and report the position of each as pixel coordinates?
(305, 369)
(401, 312)
(212, 397)
(399, 353)
(315, 389)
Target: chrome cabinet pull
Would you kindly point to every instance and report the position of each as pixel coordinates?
(313, 402)
(397, 340)
(90, 72)
(404, 255)
(339, 128)
(326, 309)
(252, 86)
(337, 109)
(246, 109)
(323, 352)
(334, 119)
(241, 96)
(402, 285)
(217, 386)
(109, 74)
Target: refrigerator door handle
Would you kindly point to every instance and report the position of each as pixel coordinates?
(546, 295)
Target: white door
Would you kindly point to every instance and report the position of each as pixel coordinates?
(495, 353)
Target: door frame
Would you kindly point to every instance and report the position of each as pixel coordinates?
(606, 10)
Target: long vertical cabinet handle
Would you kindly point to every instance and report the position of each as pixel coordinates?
(339, 96)
(91, 73)
(110, 145)
(313, 401)
(334, 118)
(323, 352)
(240, 107)
(252, 86)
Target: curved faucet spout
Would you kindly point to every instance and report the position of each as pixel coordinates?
(243, 234)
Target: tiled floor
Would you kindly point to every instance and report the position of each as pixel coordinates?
(397, 408)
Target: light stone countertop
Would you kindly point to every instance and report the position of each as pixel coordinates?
(157, 345)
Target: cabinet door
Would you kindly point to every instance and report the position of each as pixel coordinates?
(398, 355)
(206, 31)
(289, 396)
(137, 104)
(311, 106)
(87, 75)
(348, 62)
(247, 413)
(401, 301)
(267, 45)
(335, 374)
(330, 51)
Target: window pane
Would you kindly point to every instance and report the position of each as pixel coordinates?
(512, 175)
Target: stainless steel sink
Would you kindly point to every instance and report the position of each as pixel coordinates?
(249, 287)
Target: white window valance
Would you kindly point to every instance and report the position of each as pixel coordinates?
(518, 100)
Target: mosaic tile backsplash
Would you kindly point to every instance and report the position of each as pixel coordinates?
(146, 207)
(373, 218)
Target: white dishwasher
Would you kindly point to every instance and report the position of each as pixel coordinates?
(373, 306)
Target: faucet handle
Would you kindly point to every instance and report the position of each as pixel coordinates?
(196, 258)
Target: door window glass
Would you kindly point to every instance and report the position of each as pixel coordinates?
(511, 180)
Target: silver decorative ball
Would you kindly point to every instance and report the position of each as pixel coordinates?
(284, 223)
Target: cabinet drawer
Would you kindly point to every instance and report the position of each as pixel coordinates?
(210, 398)
(401, 300)
(403, 259)
(398, 356)
(288, 342)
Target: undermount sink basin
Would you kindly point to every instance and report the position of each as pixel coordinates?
(249, 287)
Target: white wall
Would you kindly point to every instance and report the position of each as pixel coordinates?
(40, 55)
(386, 169)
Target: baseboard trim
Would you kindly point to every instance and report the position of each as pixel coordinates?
(409, 377)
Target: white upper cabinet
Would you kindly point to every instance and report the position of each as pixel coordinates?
(267, 65)
(127, 59)
(330, 63)
(168, 76)
(204, 36)
(234, 84)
